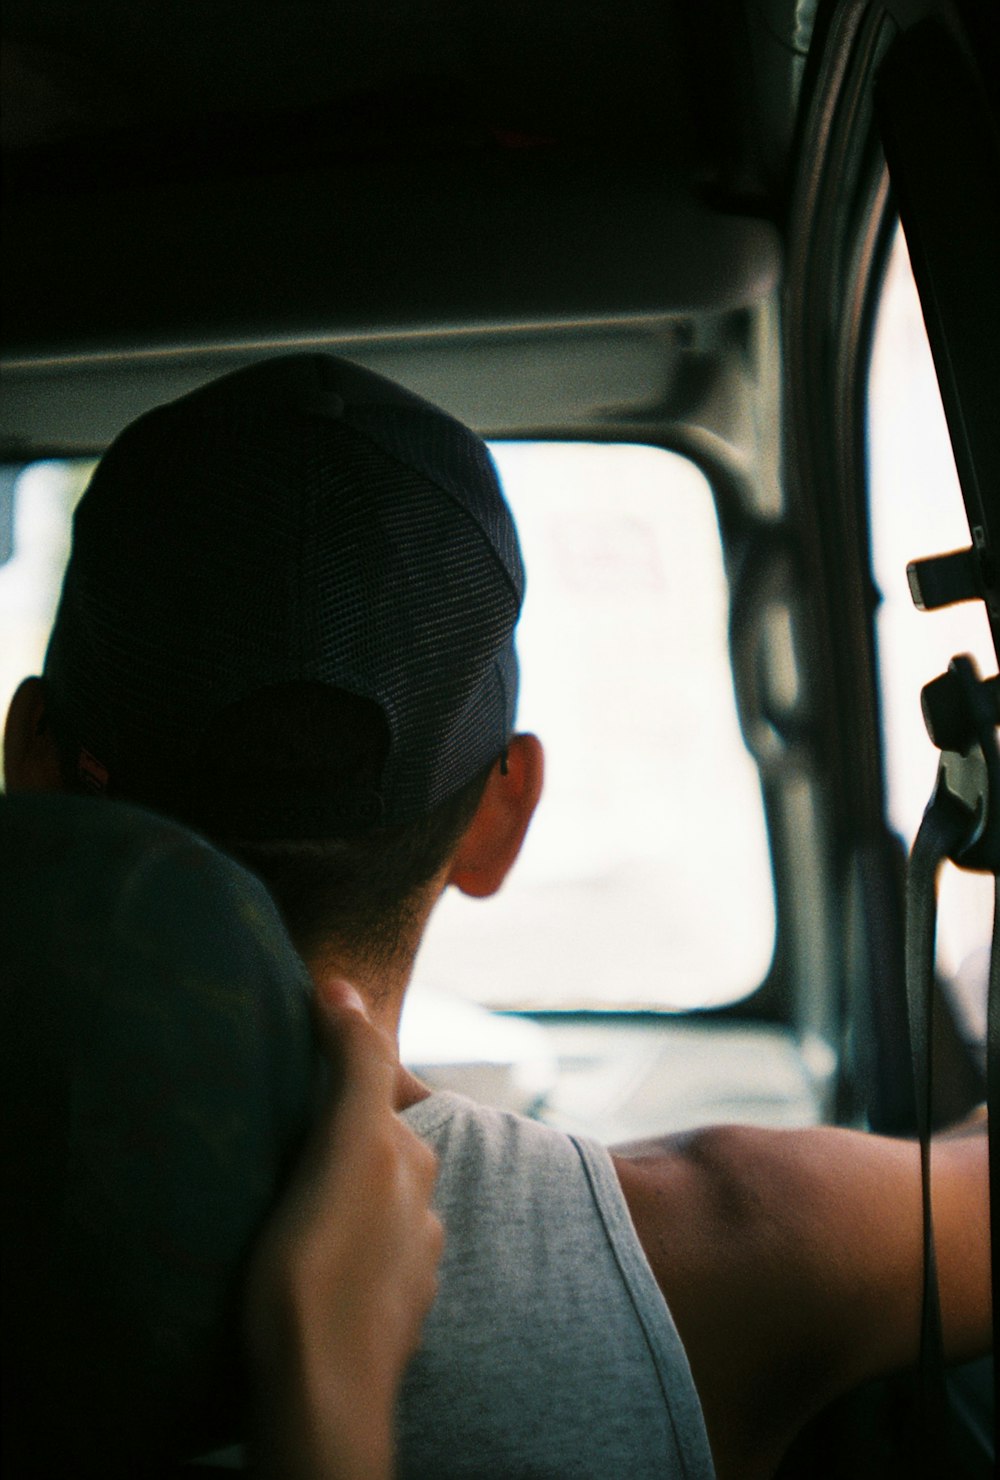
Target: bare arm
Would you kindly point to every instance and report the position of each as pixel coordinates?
(792, 1264)
(344, 1273)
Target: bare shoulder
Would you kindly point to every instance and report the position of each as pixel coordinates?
(791, 1263)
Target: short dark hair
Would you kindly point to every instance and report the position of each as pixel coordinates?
(357, 889)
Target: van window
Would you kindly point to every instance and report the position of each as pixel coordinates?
(916, 511)
(646, 879)
(36, 513)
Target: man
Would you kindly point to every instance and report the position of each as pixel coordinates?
(288, 619)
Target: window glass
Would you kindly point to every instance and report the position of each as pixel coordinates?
(645, 881)
(917, 510)
(36, 511)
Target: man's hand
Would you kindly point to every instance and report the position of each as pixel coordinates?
(345, 1271)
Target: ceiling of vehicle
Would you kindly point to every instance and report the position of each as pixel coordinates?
(209, 181)
(710, 87)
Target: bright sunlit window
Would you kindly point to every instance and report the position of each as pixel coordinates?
(645, 881)
(36, 511)
(916, 511)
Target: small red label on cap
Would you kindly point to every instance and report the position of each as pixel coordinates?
(90, 771)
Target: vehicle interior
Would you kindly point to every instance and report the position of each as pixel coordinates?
(718, 284)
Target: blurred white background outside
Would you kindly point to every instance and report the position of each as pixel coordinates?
(645, 880)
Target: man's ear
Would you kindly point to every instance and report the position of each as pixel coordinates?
(30, 755)
(493, 838)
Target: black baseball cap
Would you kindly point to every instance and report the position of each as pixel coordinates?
(300, 520)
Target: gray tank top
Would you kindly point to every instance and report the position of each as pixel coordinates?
(550, 1351)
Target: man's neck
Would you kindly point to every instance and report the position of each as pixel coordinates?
(382, 990)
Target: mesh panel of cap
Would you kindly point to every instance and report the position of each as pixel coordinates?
(300, 520)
